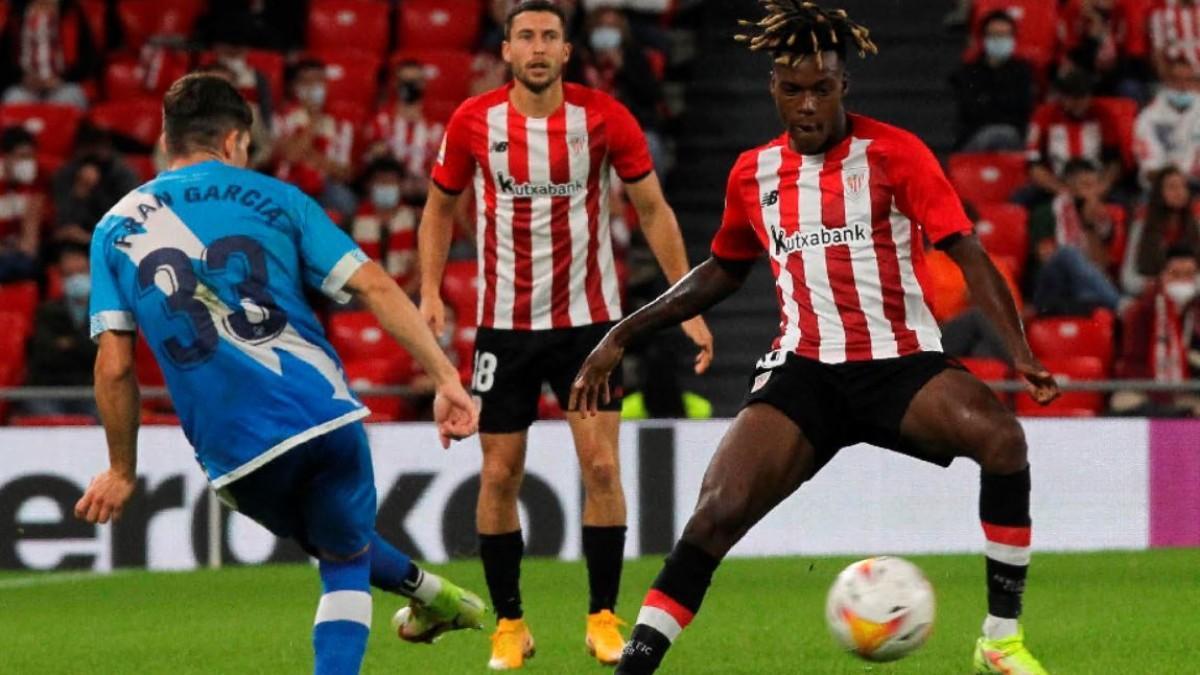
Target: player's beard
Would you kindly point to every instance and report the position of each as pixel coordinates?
(538, 87)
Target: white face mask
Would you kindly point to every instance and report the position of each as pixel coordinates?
(1180, 292)
(313, 94)
(605, 37)
(23, 171)
(1000, 47)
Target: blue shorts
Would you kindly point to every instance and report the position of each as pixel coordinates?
(320, 493)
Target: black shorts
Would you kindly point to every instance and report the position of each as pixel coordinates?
(511, 365)
(841, 404)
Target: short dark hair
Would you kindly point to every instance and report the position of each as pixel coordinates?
(998, 15)
(383, 165)
(302, 65)
(1179, 251)
(1079, 165)
(1076, 84)
(199, 110)
(14, 137)
(533, 6)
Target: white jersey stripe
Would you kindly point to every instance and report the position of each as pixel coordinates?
(769, 161)
(604, 248)
(506, 273)
(816, 271)
(916, 312)
(540, 239)
(580, 160)
(856, 182)
(480, 240)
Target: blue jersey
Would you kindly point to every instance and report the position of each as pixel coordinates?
(209, 262)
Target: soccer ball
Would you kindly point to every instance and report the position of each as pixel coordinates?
(880, 608)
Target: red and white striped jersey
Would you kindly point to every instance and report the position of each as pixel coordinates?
(332, 136)
(1054, 137)
(542, 197)
(391, 241)
(844, 234)
(413, 143)
(1175, 31)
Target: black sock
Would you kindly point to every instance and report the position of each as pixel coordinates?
(501, 554)
(604, 549)
(672, 602)
(1004, 511)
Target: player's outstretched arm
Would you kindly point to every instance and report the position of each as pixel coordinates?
(433, 246)
(990, 293)
(709, 283)
(454, 411)
(119, 403)
(666, 242)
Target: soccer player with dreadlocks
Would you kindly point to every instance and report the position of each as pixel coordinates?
(840, 203)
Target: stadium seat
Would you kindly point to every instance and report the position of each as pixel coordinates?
(447, 78)
(357, 336)
(1061, 337)
(161, 419)
(989, 370)
(61, 121)
(1070, 404)
(52, 421)
(138, 120)
(1123, 114)
(438, 24)
(351, 75)
(14, 331)
(460, 289)
(94, 12)
(123, 79)
(142, 165)
(1004, 231)
(986, 177)
(48, 164)
(19, 297)
(1037, 28)
(271, 65)
(375, 373)
(335, 24)
(143, 19)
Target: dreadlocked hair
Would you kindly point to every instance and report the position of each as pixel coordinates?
(795, 29)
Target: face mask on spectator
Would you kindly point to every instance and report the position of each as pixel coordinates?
(77, 287)
(1179, 98)
(24, 171)
(410, 92)
(999, 47)
(1180, 292)
(385, 196)
(313, 94)
(605, 37)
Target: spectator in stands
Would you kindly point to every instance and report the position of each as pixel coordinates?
(1070, 239)
(22, 206)
(277, 25)
(385, 226)
(261, 141)
(1167, 132)
(401, 130)
(230, 47)
(609, 59)
(1173, 35)
(1168, 221)
(87, 186)
(1098, 38)
(995, 92)
(313, 147)
(1073, 127)
(61, 353)
(39, 66)
(1159, 340)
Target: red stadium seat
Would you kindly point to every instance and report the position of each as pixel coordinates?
(1037, 28)
(352, 76)
(123, 79)
(161, 419)
(989, 370)
(986, 177)
(144, 19)
(142, 165)
(14, 331)
(1062, 337)
(335, 24)
(52, 421)
(19, 297)
(138, 119)
(1070, 404)
(439, 24)
(94, 12)
(271, 65)
(357, 336)
(1123, 114)
(376, 373)
(1004, 231)
(447, 78)
(460, 289)
(38, 118)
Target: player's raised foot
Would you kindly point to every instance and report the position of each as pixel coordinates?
(1007, 655)
(604, 639)
(454, 608)
(512, 643)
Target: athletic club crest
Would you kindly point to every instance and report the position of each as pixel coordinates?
(577, 144)
(855, 182)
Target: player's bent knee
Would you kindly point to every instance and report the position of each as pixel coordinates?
(1005, 450)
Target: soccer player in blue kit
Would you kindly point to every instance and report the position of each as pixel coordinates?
(210, 262)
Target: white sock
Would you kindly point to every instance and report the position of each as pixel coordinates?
(996, 628)
(427, 587)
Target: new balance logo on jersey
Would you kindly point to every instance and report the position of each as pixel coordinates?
(771, 198)
(784, 243)
(510, 187)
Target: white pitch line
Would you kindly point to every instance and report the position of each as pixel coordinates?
(51, 578)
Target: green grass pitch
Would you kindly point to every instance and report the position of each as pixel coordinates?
(1112, 613)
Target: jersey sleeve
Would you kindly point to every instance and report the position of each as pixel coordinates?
(923, 193)
(107, 308)
(627, 147)
(329, 257)
(735, 240)
(455, 164)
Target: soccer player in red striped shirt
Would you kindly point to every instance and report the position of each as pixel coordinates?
(840, 204)
(540, 154)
